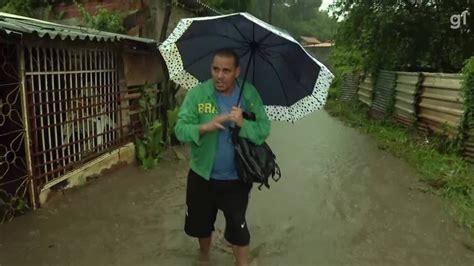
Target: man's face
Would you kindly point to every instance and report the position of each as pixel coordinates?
(224, 73)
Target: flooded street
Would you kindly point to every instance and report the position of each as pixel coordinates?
(341, 201)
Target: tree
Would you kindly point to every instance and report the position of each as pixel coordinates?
(17, 7)
(229, 6)
(103, 20)
(298, 17)
(404, 34)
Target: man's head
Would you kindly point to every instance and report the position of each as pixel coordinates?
(225, 69)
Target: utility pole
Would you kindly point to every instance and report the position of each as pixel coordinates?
(270, 7)
(166, 20)
(166, 85)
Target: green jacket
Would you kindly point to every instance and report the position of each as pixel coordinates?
(199, 107)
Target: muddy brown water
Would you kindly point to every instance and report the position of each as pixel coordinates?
(341, 201)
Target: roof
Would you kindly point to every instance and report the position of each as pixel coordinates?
(312, 40)
(13, 24)
(321, 45)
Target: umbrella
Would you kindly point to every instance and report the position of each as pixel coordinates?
(289, 80)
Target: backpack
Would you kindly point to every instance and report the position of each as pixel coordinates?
(254, 163)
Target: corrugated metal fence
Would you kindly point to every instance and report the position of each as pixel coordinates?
(350, 84)
(406, 96)
(431, 101)
(365, 90)
(441, 105)
(383, 94)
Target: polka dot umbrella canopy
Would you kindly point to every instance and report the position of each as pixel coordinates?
(290, 81)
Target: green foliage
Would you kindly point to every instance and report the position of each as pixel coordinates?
(11, 206)
(345, 60)
(447, 174)
(468, 90)
(103, 20)
(46, 12)
(172, 119)
(18, 7)
(402, 35)
(299, 18)
(467, 123)
(151, 146)
(229, 6)
(41, 9)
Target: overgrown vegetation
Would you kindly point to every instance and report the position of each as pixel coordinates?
(103, 20)
(29, 8)
(468, 95)
(18, 7)
(151, 146)
(403, 34)
(11, 206)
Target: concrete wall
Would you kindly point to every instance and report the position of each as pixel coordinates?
(157, 11)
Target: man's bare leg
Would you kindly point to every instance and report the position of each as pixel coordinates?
(205, 244)
(241, 255)
(204, 247)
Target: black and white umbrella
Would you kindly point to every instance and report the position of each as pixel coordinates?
(290, 81)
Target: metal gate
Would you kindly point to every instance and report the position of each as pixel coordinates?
(74, 108)
(13, 163)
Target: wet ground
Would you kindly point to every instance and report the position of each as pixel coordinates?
(341, 201)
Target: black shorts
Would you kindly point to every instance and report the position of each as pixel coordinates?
(203, 200)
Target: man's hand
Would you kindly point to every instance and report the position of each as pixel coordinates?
(236, 116)
(215, 124)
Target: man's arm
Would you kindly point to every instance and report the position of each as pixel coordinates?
(187, 127)
(213, 125)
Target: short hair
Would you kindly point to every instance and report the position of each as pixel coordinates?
(227, 52)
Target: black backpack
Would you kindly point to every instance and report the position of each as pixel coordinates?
(254, 163)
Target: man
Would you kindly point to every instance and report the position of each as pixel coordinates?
(205, 119)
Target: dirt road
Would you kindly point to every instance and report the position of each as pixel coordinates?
(341, 201)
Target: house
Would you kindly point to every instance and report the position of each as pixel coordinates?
(306, 40)
(66, 102)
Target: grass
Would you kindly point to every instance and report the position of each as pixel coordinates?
(440, 167)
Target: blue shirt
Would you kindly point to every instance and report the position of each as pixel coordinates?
(224, 165)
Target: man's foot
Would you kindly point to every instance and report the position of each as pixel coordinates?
(203, 259)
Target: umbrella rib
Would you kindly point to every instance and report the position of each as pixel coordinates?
(294, 75)
(253, 32)
(244, 54)
(207, 35)
(276, 45)
(279, 79)
(292, 71)
(207, 54)
(253, 75)
(241, 34)
(265, 37)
